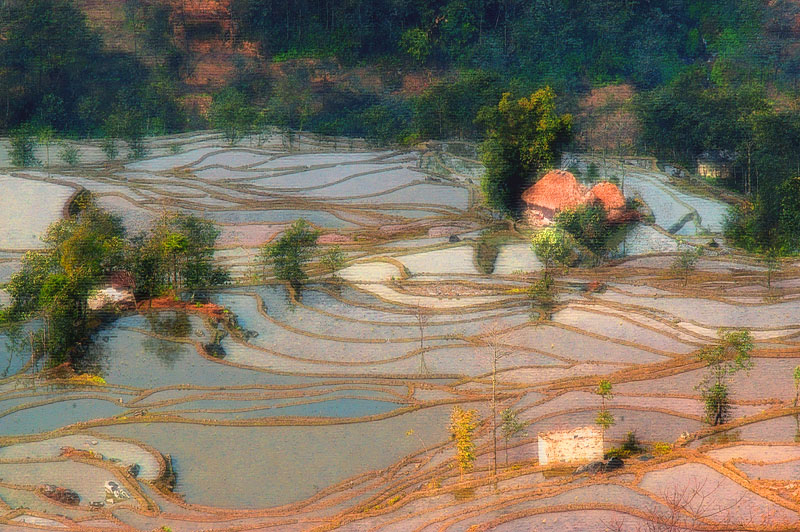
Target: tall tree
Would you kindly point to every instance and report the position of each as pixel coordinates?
(523, 137)
(730, 355)
(291, 252)
(463, 424)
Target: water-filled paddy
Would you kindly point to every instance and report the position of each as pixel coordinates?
(52, 416)
(135, 359)
(27, 208)
(422, 194)
(318, 159)
(234, 459)
(349, 351)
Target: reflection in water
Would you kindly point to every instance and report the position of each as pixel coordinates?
(729, 436)
(171, 324)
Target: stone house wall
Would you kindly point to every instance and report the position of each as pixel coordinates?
(584, 444)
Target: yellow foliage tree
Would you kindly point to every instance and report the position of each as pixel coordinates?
(462, 428)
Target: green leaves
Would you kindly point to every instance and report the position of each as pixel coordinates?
(334, 259)
(604, 389)
(686, 261)
(605, 419)
(511, 425)
(588, 224)
(553, 247)
(416, 43)
(730, 355)
(523, 137)
(291, 252)
(231, 112)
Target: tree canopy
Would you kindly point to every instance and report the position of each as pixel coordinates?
(291, 252)
(523, 136)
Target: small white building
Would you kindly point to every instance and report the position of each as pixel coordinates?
(111, 296)
(583, 444)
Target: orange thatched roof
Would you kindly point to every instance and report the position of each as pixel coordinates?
(608, 194)
(556, 191)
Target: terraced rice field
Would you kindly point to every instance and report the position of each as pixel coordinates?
(330, 409)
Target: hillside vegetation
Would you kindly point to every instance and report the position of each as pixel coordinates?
(672, 79)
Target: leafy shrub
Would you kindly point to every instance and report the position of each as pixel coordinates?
(588, 224)
(110, 148)
(69, 154)
(661, 448)
(22, 145)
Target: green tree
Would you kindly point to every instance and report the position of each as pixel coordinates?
(771, 265)
(553, 247)
(796, 377)
(605, 419)
(127, 121)
(416, 43)
(147, 262)
(69, 154)
(511, 426)
(185, 244)
(174, 248)
(686, 261)
(79, 253)
(730, 355)
(522, 137)
(333, 260)
(110, 148)
(588, 224)
(232, 113)
(291, 252)
(45, 136)
(463, 424)
(22, 146)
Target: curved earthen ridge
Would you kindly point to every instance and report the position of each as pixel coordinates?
(354, 339)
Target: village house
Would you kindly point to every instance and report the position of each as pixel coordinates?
(559, 190)
(716, 164)
(583, 444)
(117, 294)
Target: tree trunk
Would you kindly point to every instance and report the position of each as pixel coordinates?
(494, 416)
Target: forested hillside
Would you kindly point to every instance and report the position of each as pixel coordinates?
(673, 78)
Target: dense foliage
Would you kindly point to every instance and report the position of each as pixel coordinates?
(175, 255)
(589, 225)
(523, 136)
(673, 79)
(564, 43)
(55, 71)
(290, 253)
(695, 115)
(84, 251)
(56, 281)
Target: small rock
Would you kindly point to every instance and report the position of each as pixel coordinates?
(645, 457)
(591, 468)
(614, 463)
(453, 239)
(134, 470)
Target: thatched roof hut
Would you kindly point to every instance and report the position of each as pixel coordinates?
(556, 191)
(559, 190)
(610, 197)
